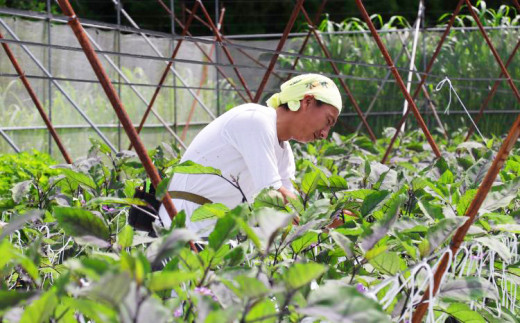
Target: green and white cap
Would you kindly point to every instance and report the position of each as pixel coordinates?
(319, 86)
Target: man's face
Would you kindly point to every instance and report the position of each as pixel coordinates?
(314, 122)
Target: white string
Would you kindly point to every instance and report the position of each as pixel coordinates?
(447, 110)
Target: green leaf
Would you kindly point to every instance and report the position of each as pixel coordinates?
(446, 178)
(92, 309)
(336, 184)
(270, 223)
(163, 280)
(162, 188)
(299, 275)
(167, 246)
(224, 230)
(209, 211)
(441, 231)
(41, 309)
(465, 201)
(310, 181)
(11, 298)
(335, 302)
(234, 257)
(125, 236)
(18, 222)
(21, 189)
(463, 313)
(500, 196)
(104, 200)
(81, 223)
(110, 289)
(343, 242)
(270, 198)
(262, 312)
(495, 244)
(373, 201)
(251, 287)
(380, 228)
(189, 167)
(468, 289)
(79, 178)
(475, 174)
(387, 262)
(304, 241)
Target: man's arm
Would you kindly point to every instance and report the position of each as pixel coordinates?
(287, 194)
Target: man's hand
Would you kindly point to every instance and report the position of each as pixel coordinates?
(287, 194)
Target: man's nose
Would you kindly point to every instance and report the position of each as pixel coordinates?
(324, 133)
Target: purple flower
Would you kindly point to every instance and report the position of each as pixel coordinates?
(205, 291)
(360, 288)
(178, 312)
(108, 209)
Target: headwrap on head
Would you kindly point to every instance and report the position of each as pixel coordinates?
(319, 86)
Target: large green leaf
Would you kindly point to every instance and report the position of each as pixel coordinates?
(11, 298)
(79, 178)
(299, 275)
(250, 287)
(441, 231)
(209, 211)
(262, 312)
(495, 243)
(373, 201)
(224, 230)
(345, 244)
(270, 198)
(311, 180)
(91, 309)
(304, 241)
(190, 167)
(500, 196)
(41, 309)
(387, 262)
(17, 222)
(81, 223)
(463, 313)
(104, 200)
(475, 174)
(125, 236)
(167, 246)
(110, 289)
(335, 302)
(380, 228)
(468, 289)
(270, 223)
(162, 280)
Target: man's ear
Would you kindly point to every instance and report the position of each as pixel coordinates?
(306, 101)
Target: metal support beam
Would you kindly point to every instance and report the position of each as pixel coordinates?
(398, 78)
(218, 35)
(116, 103)
(424, 76)
(270, 68)
(36, 102)
(58, 86)
(338, 72)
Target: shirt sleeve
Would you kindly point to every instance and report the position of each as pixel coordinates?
(253, 135)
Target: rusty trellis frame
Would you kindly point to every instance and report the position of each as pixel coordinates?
(36, 101)
(486, 184)
(399, 80)
(423, 79)
(116, 102)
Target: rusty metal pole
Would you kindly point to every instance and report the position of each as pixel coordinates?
(217, 34)
(338, 72)
(307, 37)
(206, 55)
(36, 101)
(115, 101)
(257, 62)
(484, 187)
(165, 73)
(495, 86)
(398, 78)
(285, 35)
(491, 94)
(423, 79)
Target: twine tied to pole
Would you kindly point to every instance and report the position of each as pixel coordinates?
(447, 110)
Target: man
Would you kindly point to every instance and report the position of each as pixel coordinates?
(249, 144)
